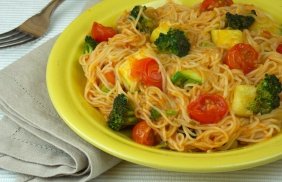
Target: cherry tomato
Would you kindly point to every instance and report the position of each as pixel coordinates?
(208, 108)
(146, 70)
(101, 33)
(279, 48)
(110, 76)
(242, 56)
(211, 4)
(143, 134)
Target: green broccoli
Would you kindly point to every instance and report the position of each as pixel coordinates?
(240, 22)
(144, 24)
(122, 114)
(174, 42)
(89, 44)
(267, 95)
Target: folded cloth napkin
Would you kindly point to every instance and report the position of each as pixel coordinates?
(34, 141)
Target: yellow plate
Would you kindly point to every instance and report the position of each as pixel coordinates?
(65, 81)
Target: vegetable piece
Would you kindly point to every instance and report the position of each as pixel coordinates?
(104, 88)
(89, 44)
(102, 33)
(174, 42)
(240, 22)
(144, 24)
(242, 56)
(155, 115)
(142, 133)
(125, 75)
(110, 76)
(279, 48)
(211, 4)
(208, 108)
(267, 95)
(243, 96)
(226, 38)
(122, 114)
(147, 71)
(183, 77)
(125, 68)
(162, 28)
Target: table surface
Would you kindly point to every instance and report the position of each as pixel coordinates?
(11, 15)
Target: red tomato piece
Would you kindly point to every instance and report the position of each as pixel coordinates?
(279, 48)
(146, 70)
(242, 56)
(110, 76)
(208, 108)
(143, 134)
(102, 33)
(211, 4)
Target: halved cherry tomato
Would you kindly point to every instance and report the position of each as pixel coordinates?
(102, 33)
(143, 134)
(146, 70)
(279, 48)
(211, 4)
(242, 56)
(208, 108)
(110, 76)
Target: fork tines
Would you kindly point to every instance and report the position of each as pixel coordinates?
(14, 37)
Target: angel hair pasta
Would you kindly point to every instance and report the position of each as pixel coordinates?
(195, 79)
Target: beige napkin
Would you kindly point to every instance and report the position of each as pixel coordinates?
(34, 141)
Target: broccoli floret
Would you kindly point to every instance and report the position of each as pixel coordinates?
(267, 95)
(122, 114)
(89, 44)
(174, 42)
(240, 22)
(144, 24)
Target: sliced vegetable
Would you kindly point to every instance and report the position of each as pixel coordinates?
(242, 56)
(226, 38)
(125, 68)
(143, 134)
(110, 76)
(104, 88)
(162, 28)
(279, 48)
(180, 78)
(155, 115)
(147, 71)
(243, 96)
(102, 33)
(211, 4)
(208, 108)
(239, 22)
(89, 44)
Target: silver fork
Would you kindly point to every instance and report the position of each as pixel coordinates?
(33, 28)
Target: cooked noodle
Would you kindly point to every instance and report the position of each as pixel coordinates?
(180, 131)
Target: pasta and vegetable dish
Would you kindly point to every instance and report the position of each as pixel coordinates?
(193, 79)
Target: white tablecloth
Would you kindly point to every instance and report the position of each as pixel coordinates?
(13, 12)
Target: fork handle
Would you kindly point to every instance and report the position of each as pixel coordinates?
(50, 7)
